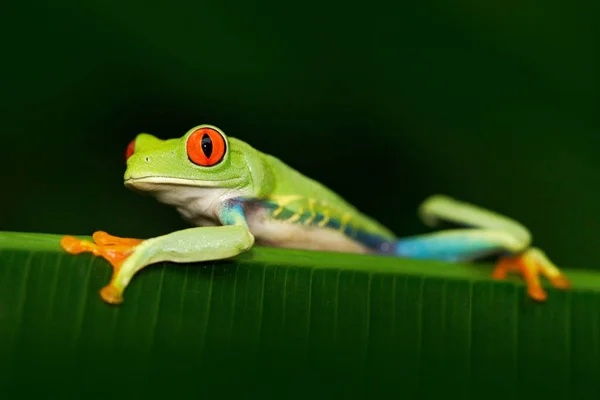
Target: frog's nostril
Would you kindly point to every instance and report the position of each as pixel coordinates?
(147, 159)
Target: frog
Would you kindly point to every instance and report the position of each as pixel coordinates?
(236, 197)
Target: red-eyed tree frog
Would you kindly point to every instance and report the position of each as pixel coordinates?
(237, 196)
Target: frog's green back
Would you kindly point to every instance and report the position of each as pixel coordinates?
(299, 193)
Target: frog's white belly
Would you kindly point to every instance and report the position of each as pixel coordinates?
(195, 205)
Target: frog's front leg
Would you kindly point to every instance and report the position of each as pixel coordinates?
(128, 256)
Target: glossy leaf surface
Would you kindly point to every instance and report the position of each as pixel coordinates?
(289, 324)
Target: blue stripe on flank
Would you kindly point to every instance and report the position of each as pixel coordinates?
(372, 241)
(318, 218)
(233, 213)
(348, 231)
(304, 217)
(375, 243)
(333, 224)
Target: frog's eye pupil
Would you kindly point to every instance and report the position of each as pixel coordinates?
(207, 145)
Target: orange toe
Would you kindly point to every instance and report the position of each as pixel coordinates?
(111, 295)
(532, 265)
(537, 293)
(103, 239)
(76, 246)
(560, 282)
(500, 272)
(70, 244)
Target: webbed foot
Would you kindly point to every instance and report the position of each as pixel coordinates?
(531, 264)
(113, 249)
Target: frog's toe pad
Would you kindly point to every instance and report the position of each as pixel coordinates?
(560, 282)
(76, 246)
(111, 294)
(537, 293)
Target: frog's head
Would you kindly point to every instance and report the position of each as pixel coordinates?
(203, 158)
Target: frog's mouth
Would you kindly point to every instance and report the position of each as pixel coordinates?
(160, 183)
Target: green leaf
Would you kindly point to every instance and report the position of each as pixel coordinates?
(288, 324)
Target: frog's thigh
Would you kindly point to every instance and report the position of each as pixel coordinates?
(189, 245)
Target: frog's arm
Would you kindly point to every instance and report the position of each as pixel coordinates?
(128, 256)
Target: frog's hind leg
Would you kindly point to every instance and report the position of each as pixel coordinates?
(489, 234)
(470, 244)
(438, 208)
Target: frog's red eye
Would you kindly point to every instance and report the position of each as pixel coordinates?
(206, 147)
(130, 149)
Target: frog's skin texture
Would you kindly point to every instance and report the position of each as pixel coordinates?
(237, 196)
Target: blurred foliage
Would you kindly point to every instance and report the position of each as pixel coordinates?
(492, 103)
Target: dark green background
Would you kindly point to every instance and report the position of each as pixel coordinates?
(496, 104)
